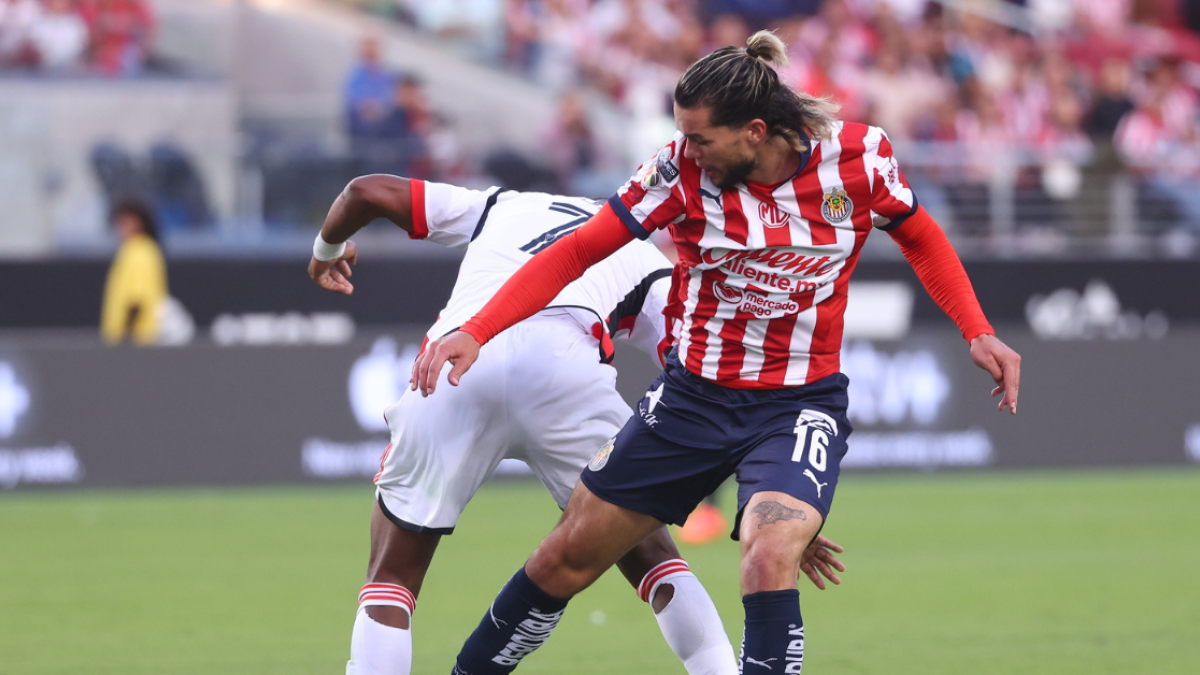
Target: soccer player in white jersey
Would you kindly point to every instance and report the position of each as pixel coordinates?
(769, 199)
(545, 393)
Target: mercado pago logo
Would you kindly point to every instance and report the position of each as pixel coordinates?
(758, 304)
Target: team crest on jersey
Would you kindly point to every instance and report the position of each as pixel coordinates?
(601, 457)
(665, 166)
(836, 206)
(772, 216)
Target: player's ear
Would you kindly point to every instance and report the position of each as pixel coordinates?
(756, 131)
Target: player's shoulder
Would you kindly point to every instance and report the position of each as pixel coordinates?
(865, 138)
(664, 168)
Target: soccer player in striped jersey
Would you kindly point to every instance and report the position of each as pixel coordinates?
(545, 393)
(769, 199)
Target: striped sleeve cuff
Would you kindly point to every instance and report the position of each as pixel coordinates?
(419, 221)
(622, 211)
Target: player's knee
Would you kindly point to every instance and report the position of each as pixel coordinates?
(558, 571)
(769, 565)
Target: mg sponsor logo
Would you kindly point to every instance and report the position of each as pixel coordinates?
(772, 216)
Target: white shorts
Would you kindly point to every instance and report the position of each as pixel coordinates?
(538, 393)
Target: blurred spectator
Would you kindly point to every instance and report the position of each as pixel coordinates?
(563, 37)
(121, 34)
(369, 92)
(901, 115)
(404, 129)
(60, 36)
(1152, 142)
(17, 19)
(575, 153)
(569, 142)
(1112, 101)
(136, 290)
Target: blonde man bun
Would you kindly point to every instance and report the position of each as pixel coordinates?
(768, 48)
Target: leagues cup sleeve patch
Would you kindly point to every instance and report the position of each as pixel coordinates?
(652, 179)
(836, 206)
(665, 166)
(601, 457)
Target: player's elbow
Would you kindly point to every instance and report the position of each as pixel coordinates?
(376, 191)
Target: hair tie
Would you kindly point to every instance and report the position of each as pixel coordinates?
(752, 52)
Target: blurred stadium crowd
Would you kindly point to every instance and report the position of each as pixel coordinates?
(111, 37)
(1061, 95)
(1026, 126)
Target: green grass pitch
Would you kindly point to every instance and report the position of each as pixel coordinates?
(955, 573)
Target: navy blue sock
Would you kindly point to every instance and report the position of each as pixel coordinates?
(518, 622)
(773, 640)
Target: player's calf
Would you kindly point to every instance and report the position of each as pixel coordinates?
(519, 621)
(688, 619)
(775, 530)
(377, 648)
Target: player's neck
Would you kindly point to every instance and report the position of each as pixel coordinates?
(777, 162)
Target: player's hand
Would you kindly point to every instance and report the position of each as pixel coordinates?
(819, 560)
(1003, 364)
(458, 348)
(334, 275)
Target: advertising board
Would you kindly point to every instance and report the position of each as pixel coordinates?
(73, 412)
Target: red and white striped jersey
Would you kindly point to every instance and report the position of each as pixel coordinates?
(761, 281)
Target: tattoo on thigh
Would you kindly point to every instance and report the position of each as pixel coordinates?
(773, 512)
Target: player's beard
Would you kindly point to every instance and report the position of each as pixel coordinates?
(736, 173)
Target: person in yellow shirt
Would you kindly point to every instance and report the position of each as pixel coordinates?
(136, 289)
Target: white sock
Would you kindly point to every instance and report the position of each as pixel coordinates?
(690, 622)
(376, 649)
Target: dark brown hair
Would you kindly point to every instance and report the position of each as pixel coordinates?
(138, 209)
(739, 85)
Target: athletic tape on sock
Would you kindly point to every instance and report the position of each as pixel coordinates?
(394, 595)
(659, 574)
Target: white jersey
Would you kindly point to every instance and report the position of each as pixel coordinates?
(501, 230)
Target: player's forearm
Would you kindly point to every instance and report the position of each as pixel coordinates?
(365, 199)
(541, 279)
(941, 272)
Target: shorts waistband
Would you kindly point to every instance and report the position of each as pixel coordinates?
(713, 391)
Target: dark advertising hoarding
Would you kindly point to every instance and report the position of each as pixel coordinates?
(76, 413)
(391, 291)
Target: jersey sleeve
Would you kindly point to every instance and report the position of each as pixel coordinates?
(892, 200)
(447, 214)
(653, 198)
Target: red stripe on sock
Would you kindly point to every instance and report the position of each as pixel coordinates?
(663, 569)
(394, 594)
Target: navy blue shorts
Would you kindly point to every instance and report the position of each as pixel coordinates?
(690, 434)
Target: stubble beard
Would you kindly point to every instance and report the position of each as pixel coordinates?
(735, 174)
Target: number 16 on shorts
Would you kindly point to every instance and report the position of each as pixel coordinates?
(814, 431)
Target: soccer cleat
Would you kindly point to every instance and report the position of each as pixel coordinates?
(704, 525)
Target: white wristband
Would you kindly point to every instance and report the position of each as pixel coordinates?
(325, 251)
